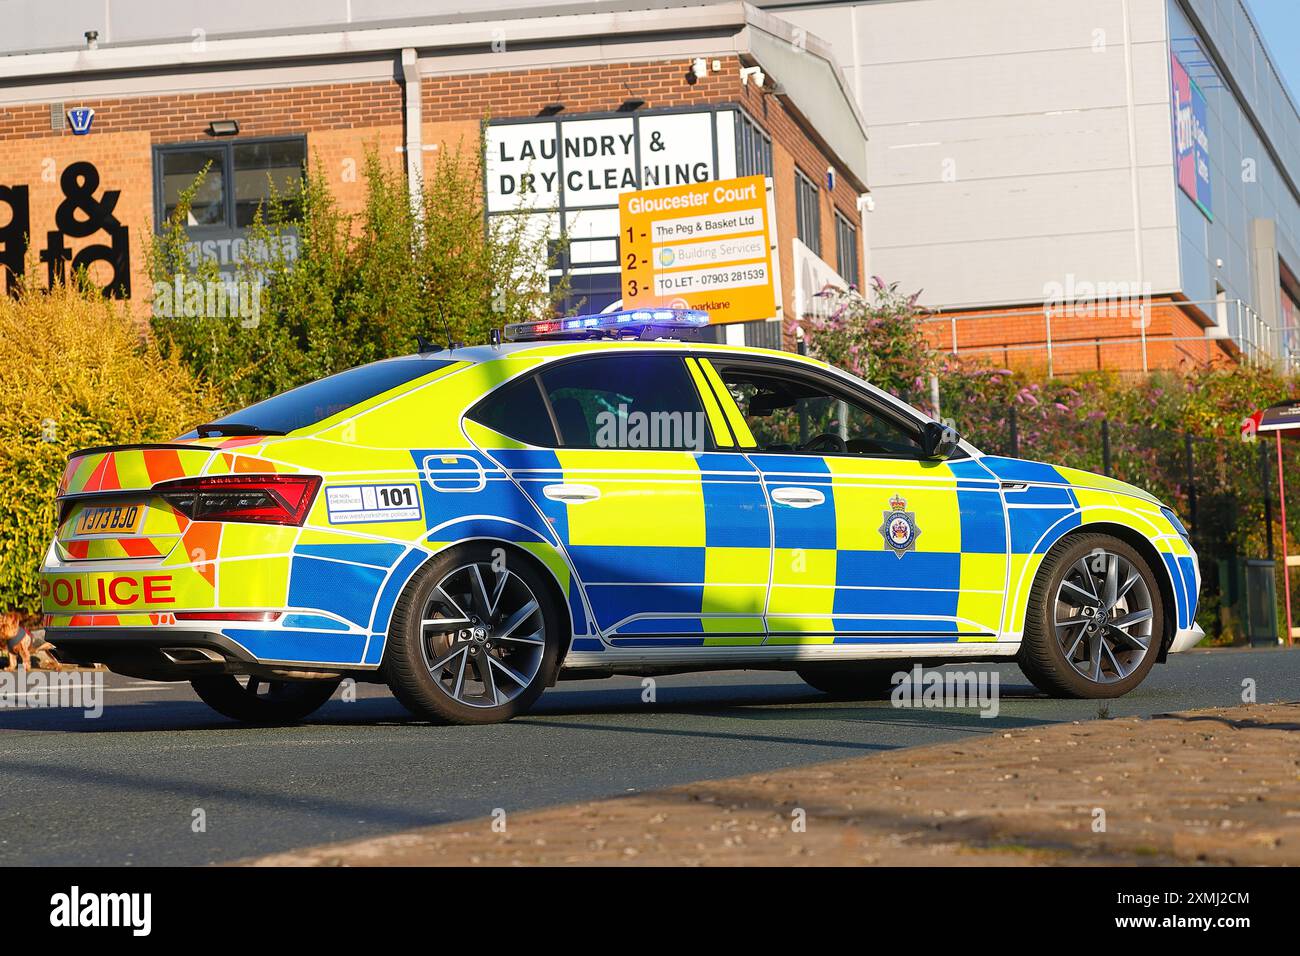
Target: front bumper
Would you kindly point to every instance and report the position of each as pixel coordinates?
(1187, 638)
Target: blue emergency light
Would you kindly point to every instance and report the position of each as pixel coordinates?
(630, 322)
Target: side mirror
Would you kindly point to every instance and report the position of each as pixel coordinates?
(763, 404)
(938, 441)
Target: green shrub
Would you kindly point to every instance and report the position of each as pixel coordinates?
(74, 372)
(876, 335)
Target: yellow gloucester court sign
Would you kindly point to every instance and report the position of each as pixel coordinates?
(702, 246)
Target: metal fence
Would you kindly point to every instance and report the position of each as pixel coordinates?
(1063, 344)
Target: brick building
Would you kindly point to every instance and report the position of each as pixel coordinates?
(719, 89)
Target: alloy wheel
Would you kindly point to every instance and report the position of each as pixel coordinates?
(483, 635)
(1103, 614)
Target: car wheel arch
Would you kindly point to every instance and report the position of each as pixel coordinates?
(513, 550)
(1148, 552)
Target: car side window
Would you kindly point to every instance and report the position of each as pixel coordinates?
(517, 410)
(795, 413)
(626, 401)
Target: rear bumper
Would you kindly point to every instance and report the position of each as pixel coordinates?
(166, 654)
(1187, 638)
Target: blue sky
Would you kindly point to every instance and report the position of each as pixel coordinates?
(1279, 22)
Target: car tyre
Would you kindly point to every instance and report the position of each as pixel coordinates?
(1095, 619)
(474, 639)
(850, 682)
(260, 701)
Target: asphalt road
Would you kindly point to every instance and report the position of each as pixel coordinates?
(124, 788)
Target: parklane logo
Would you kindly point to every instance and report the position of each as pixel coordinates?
(937, 690)
(94, 910)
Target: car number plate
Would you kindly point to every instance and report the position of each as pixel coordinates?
(118, 520)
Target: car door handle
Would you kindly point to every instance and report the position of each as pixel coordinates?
(573, 494)
(798, 497)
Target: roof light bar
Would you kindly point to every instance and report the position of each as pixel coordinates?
(627, 322)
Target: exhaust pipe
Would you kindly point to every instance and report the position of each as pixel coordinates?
(192, 655)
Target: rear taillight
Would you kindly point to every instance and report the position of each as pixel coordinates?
(260, 499)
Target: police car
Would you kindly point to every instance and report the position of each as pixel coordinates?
(595, 496)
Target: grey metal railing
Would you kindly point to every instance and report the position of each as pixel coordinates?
(1259, 342)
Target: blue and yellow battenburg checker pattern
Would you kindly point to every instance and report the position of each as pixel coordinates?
(680, 549)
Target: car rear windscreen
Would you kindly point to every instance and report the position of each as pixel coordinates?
(318, 400)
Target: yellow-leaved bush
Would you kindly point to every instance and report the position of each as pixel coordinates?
(75, 371)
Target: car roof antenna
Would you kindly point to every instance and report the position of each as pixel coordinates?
(425, 345)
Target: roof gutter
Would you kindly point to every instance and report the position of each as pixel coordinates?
(359, 42)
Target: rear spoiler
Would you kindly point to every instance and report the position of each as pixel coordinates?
(101, 449)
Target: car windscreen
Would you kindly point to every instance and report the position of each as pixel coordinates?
(318, 400)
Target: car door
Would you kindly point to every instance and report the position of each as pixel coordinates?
(873, 543)
(665, 525)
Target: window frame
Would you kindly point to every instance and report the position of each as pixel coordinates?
(910, 421)
(753, 147)
(845, 229)
(226, 145)
(807, 207)
(710, 445)
(533, 375)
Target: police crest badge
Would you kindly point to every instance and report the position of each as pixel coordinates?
(899, 527)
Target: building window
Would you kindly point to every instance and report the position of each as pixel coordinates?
(846, 249)
(241, 177)
(177, 170)
(753, 148)
(807, 212)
